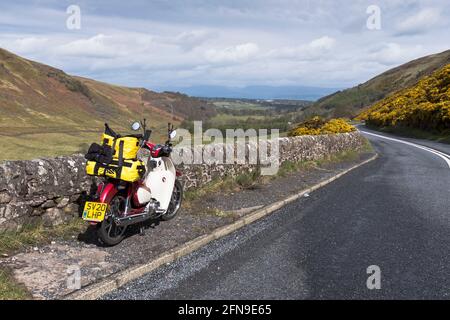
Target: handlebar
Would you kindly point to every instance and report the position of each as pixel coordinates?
(147, 134)
(167, 149)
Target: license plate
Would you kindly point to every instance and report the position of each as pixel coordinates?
(94, 211)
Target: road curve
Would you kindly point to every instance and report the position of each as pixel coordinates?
(420, 144)
(393, 213)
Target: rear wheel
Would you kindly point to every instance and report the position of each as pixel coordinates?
(109, 232)
(175, 202)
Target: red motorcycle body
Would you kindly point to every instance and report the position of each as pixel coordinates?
(107, 191)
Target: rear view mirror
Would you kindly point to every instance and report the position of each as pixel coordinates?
(173, 134)
(135, 126)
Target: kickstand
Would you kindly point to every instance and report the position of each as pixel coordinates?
(142, 231)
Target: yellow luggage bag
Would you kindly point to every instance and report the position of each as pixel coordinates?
(130, 146)
(130, 170)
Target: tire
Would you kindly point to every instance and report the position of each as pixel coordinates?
(108, 232)
(175, 202)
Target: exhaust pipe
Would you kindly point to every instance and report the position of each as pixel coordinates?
(126, 221)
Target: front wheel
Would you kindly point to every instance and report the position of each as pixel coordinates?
(175, 202)
(109, 232)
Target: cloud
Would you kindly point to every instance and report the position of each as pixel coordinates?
(324, 43)
(105, 46)
(246, 42)
(100, 46)
(30, 44)
(420, 22)
(392, 53)
(189, 40)
(234, 54)
(315, 49)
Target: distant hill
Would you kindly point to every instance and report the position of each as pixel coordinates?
(349, 102)
(257, 92)
(46, 112)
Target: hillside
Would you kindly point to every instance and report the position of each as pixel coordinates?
(349, 102)
(46, 112)
(425, 106)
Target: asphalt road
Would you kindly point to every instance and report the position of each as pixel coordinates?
(393, 213)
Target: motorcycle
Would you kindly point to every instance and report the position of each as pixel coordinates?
(155, 195)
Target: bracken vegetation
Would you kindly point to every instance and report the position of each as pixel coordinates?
(45, 112)
(317, 125)
(425, 106)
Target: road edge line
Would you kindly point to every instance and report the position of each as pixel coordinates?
(117, 280)
(438, 153)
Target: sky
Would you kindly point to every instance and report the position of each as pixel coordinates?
(181, 43)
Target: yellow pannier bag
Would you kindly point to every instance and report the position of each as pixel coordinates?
(107, 140)
(130, 170)
(129, 146)
(123, 147)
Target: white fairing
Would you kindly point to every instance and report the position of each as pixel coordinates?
(160, 180)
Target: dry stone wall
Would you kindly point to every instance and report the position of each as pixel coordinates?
(50, 191)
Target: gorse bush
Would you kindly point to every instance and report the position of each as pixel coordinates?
(424, 106)
(317, 125)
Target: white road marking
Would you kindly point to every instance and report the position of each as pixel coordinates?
(440, 154)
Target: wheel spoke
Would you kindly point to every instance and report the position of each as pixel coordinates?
(110, 227)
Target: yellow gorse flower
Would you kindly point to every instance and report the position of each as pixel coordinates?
(317, 126)
(425, 105)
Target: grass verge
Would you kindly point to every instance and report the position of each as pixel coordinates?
(10, 289)
(251, 179)
(13, 241)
